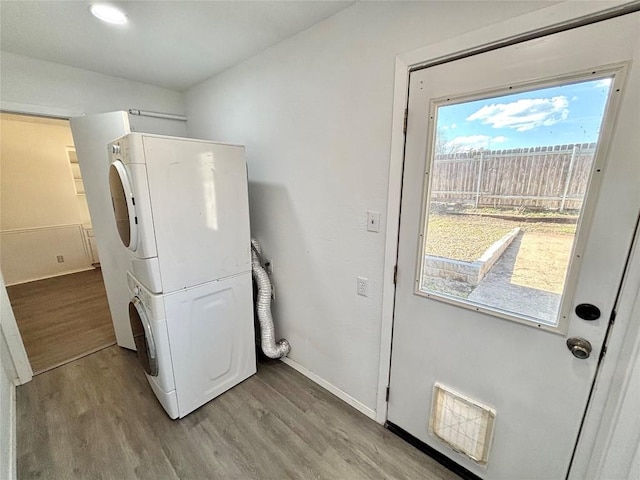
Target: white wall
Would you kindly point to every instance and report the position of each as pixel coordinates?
(36, 185)
(315, 115)
(44, 86)
(40, 213)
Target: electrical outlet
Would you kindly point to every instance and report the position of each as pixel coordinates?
(60, 258)
(373, 221)
(268, 266)
(273, 292)
(363, 286)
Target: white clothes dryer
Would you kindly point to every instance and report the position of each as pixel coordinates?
(196, 343)
(181, 208)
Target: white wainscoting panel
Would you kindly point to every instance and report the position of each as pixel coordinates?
(32, 254)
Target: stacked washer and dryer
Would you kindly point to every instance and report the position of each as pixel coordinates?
(182, 211)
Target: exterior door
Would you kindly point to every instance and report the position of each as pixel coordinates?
(511, 254)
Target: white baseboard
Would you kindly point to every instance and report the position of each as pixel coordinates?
(345, 397)
(44, 277)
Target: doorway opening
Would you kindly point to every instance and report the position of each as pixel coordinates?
(49, 258)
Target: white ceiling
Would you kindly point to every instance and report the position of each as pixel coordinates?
(173, 44)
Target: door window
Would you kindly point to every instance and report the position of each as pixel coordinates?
(507, 184)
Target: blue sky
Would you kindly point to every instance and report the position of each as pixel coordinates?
(550, 116)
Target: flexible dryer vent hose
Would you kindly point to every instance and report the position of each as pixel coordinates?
(270, 347)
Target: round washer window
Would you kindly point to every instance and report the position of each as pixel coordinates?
(143, 337)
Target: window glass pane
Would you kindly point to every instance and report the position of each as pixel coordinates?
(509, 176)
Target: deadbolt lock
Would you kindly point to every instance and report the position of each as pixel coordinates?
(580, 347)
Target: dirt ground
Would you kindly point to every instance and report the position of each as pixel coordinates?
(529, 277)
(463, 237)
(542, 261)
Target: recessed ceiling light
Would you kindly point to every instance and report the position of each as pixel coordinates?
(108, 14)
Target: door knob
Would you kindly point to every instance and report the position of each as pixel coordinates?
(580, 347)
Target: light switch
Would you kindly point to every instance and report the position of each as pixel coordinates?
(373, 221)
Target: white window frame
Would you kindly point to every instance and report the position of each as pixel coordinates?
(618, 75)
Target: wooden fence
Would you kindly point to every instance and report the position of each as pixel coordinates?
(553, 177)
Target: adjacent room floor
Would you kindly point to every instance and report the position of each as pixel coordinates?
(62, 318)
(97, 418)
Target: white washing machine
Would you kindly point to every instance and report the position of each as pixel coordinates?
(181, 208)
(193, 343)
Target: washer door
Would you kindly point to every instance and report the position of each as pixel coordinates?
(124, 205)
(143, 337)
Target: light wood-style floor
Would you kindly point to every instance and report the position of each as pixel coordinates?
(97, 418)
(62, 318)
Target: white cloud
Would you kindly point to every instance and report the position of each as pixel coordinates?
(474, 142)
(453, 125)
(525, 114)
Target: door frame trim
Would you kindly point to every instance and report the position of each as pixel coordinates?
(611, 420)
(539, 23)
(9, 326)
(39, 110)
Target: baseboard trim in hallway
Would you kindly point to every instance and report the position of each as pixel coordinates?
(345, 397)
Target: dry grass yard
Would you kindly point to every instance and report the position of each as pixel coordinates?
(467, 237)
(542, 261)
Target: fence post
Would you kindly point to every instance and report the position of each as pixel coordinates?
(568, 180)
(479, 179)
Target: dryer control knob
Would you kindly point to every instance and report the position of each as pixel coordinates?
(136, 290)
(115, 148)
